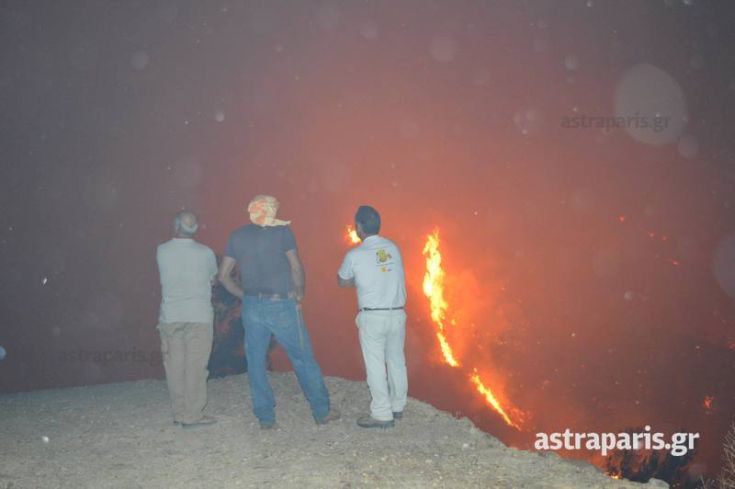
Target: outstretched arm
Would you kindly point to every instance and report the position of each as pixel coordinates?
(225, 277)
(297, 274)
(346, 272)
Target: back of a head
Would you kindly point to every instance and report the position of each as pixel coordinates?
(186, 224)
(368, 219)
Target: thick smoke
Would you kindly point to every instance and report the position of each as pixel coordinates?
(590, 268)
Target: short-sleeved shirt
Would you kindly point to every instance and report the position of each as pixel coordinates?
(260, 251)
(377, 267)
(186, 269)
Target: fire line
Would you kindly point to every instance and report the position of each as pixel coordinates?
(433, 287)
(434, 290)
(487, 393)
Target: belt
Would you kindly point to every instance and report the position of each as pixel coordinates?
(381, 308)
(272, 297)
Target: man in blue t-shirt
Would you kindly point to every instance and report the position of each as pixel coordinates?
(271, 288)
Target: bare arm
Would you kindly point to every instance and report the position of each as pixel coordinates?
(225, 277)
(345, 283)
(297, 274)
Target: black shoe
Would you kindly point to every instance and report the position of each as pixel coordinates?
(333, 415)
(397, 415)
(368, 421)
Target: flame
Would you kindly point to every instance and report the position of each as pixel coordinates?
(487, 393)
(434, 290)
(446, 350)
(433, 287)
(351, 235)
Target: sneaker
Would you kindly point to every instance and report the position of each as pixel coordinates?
(203, 421)
(368, 421)
(397, 415)
(333, 415)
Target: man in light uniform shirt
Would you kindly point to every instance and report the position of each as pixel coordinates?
(187, 270)
(376, 269)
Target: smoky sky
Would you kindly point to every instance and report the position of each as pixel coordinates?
(590, 260)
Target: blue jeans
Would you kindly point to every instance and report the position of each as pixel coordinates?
(262, 318)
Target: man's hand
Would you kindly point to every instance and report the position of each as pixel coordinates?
(296, 297)
(345, 283)
(225, 277)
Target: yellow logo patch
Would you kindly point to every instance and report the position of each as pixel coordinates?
(383, 256)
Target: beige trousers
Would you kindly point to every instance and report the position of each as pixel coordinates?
(186, 348)
(382, 336)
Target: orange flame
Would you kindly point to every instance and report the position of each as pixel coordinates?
(434, 290)
(446, 350)
(487, 393)
(351, 235)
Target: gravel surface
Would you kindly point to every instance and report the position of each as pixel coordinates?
(122, 436)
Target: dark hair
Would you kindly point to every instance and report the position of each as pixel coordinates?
(368, 219)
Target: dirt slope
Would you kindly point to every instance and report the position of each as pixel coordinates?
(122, 436)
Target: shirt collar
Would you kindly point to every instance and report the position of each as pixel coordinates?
(372, 237)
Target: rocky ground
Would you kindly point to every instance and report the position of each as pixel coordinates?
(122, 436)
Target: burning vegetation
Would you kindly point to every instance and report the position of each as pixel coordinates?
(433, 288)
(643, 465)
(679, 471)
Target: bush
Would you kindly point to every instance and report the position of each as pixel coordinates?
(727, 475)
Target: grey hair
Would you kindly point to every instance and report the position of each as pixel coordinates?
(186, 224)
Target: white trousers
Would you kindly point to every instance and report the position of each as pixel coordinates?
(382, 335)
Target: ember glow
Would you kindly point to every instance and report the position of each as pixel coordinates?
(351, 235)
(707, 403)
(433, 286)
